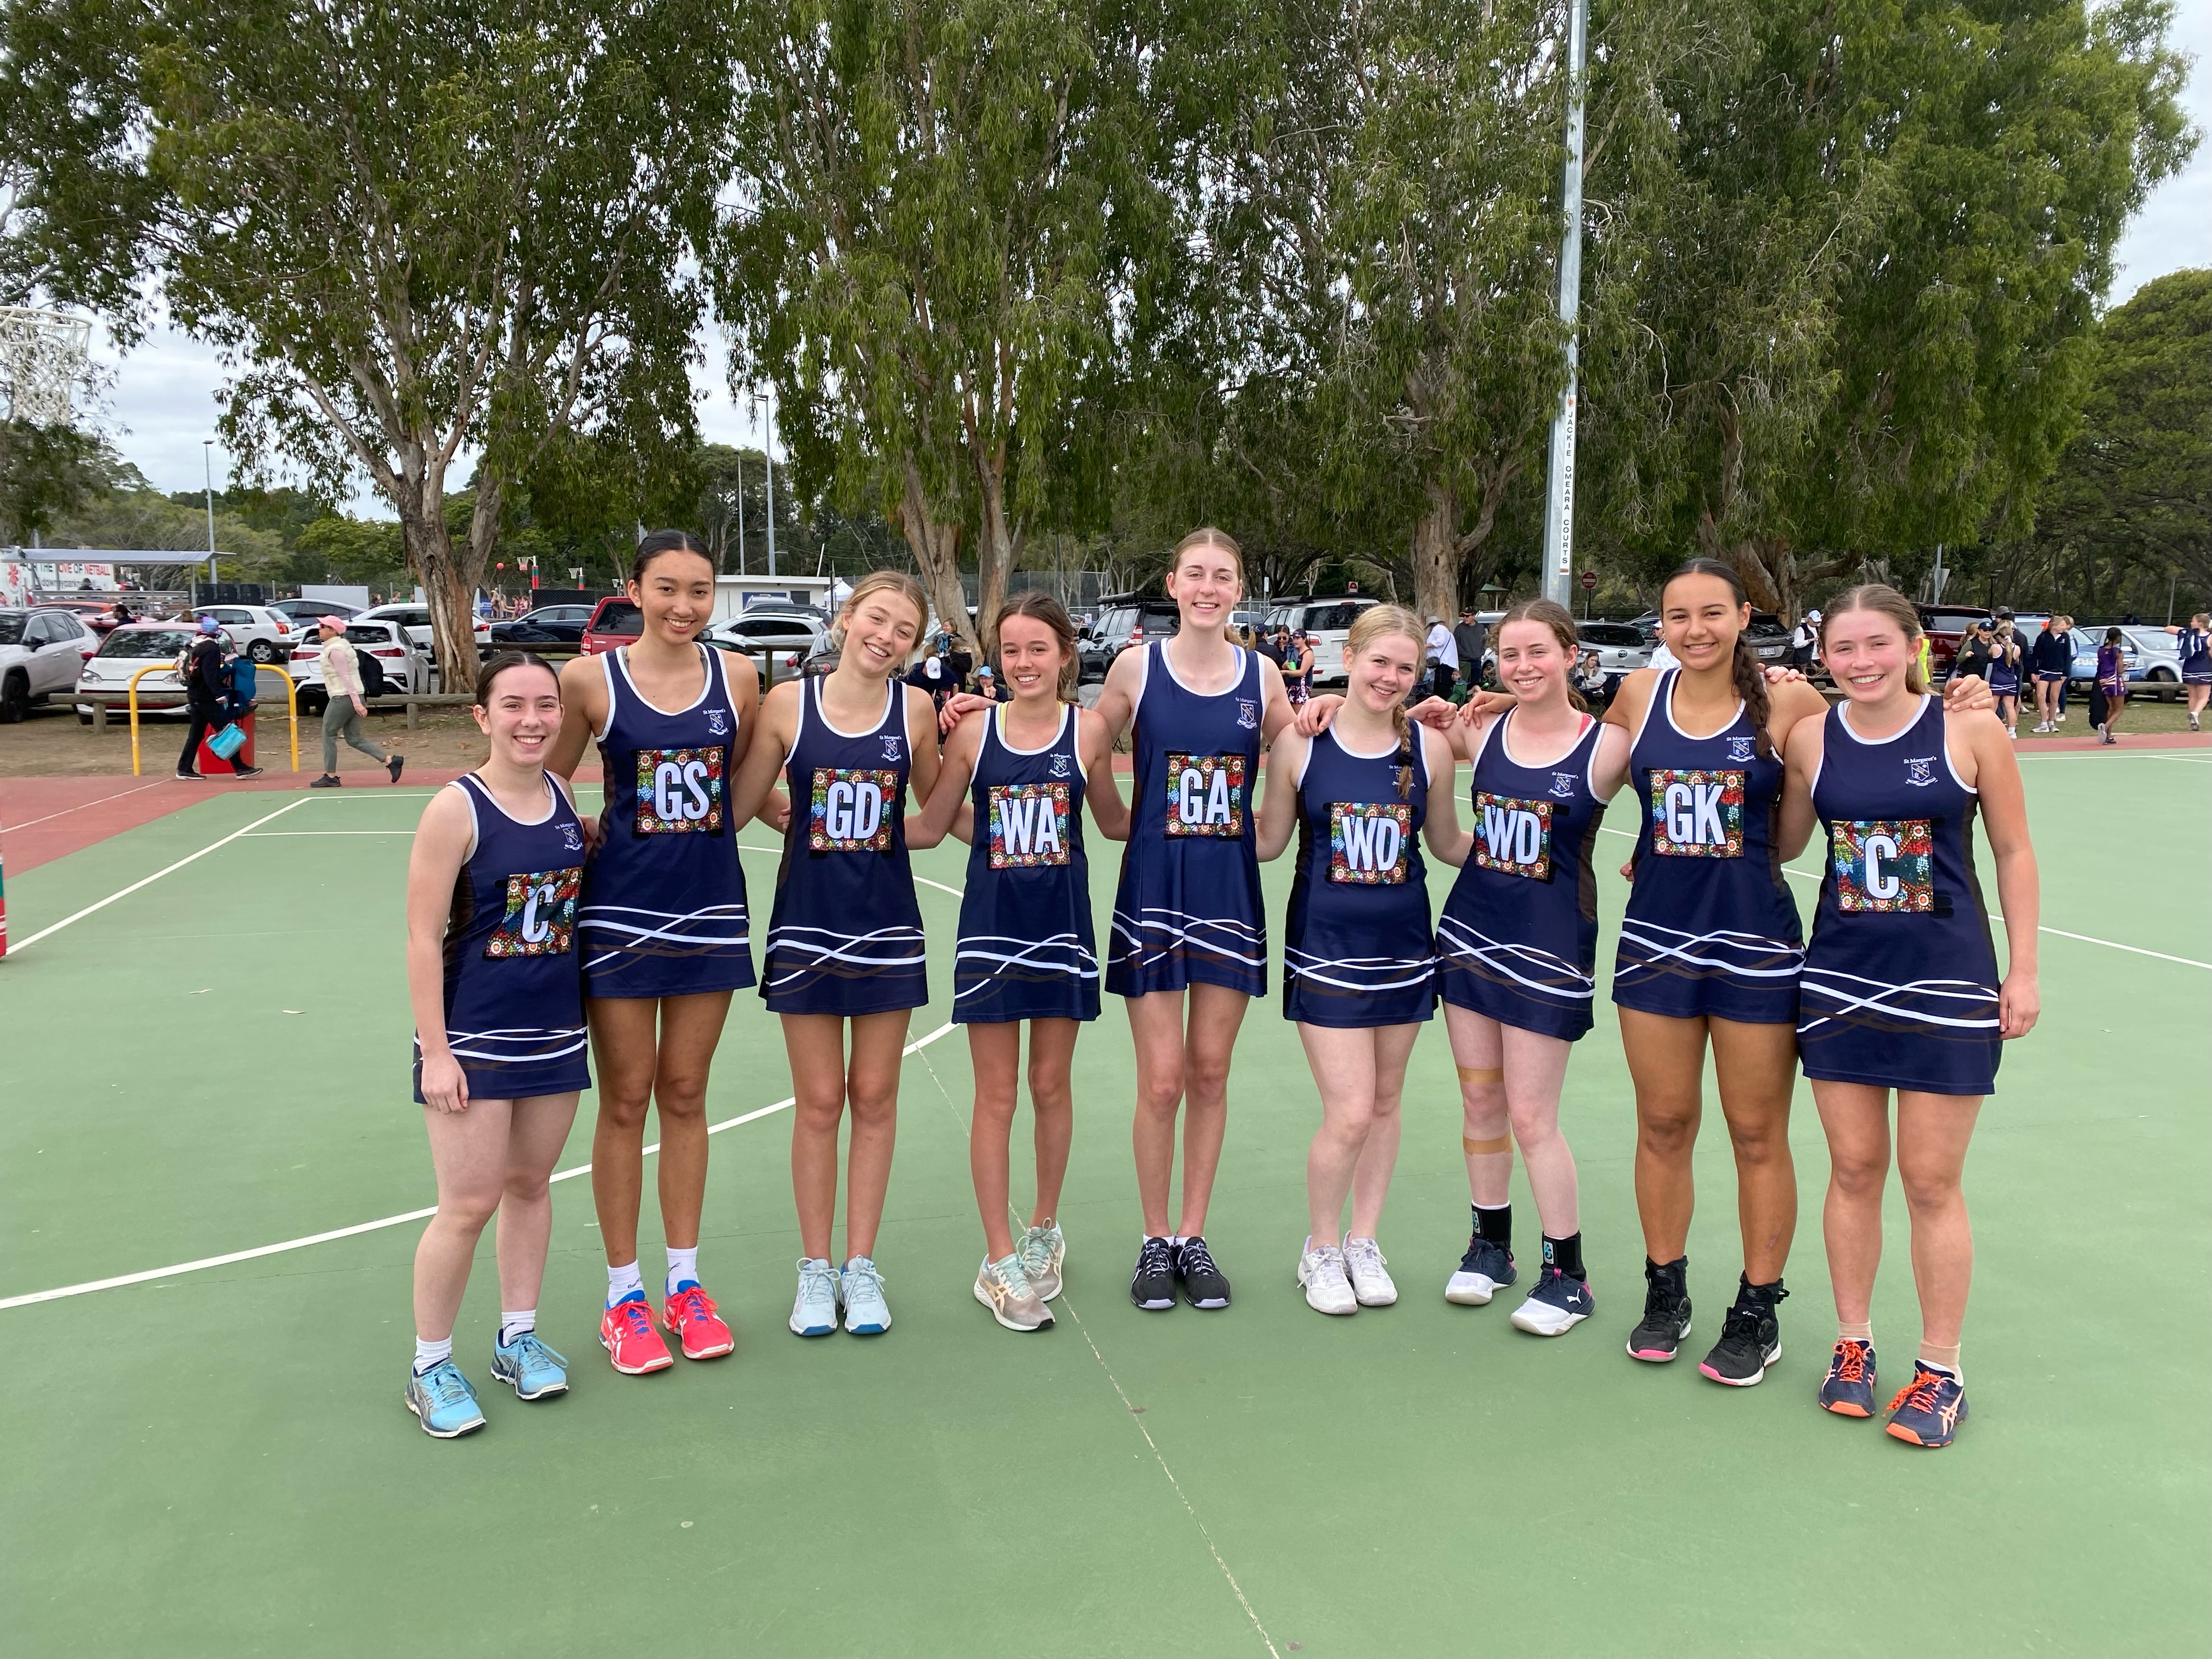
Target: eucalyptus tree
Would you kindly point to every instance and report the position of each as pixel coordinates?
(416, 232)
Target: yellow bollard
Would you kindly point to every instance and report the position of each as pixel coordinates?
(150, 668)
(291, 707)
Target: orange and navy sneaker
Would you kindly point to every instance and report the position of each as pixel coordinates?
(690, 1315)
(1848, 1391)
(626, 1332)
(1928, 1409)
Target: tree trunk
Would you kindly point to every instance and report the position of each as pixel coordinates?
(936, 545)
(997, 549)
(1436, 556)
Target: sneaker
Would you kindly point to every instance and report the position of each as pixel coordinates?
(1362, 1264)
(191, 777)
(247, 771)
(815, 1311)
(1042, 1250)
(1152, 1287)
(2192, 724)
(326, 781)
(1556, 1304)
(1005, 1289)
(533, 1370)
(1927, 1411)
(442, 1398)
(393, 766)
(626, 1332)
(2041, 727)
(1485, 1270)
(1203, 1283)
(2061, 717)
(1849, 1390)
(690, 1315)
(1321, 1270)
(1666, 1319)
(861, 1289)
(1751, 1341)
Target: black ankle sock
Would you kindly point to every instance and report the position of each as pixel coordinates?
(1564, 1254)
(1495, 1225)
(1678, 1270)
(1746, 1293)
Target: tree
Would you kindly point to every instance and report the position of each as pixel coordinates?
(47, 472)
(926, 252)
(415, 230)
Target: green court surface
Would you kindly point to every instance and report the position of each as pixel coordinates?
(217, 1461)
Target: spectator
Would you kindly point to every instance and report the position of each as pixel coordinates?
(1977, 651)
(1662, 658)
(1473, 639)
(342, 707)
(1275, 646)
(957, 662)
(1805, 641)
(928, 675)
(1588, 679)
(987, 684)
(1297, 668)
(1444, 658)
(205, 691)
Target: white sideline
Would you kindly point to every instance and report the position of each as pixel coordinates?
(400, 1220)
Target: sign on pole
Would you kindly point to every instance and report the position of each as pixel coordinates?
(1559, 494)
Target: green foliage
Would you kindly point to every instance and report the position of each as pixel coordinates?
(338, 549)
(47, 472)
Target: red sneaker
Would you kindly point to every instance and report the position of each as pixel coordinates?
(626, 1332)
(690, 1316)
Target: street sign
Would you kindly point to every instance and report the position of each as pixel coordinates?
(1589, 580)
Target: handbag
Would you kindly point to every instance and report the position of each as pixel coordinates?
(226, 743)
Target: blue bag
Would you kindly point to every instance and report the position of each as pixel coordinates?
(226, 743)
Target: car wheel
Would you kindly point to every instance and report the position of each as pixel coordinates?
(15, 699)
(83, 719)
(262, 651)
(311, 703)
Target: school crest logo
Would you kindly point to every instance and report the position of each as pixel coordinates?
(1247, 714)
(718, 722)
(891, 749)
(1740, 748)
(1920, 770)
(572, 838)
(1060, 765)
(1563, 785)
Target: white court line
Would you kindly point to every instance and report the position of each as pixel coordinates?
(82, 805)
(19, 947)
(2086, 938)
(400, 1220)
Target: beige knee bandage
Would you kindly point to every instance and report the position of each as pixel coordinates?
(1475, 1148)
(1481, 1075)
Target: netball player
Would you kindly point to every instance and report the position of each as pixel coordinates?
(2108, 692)
(1900, 992)
(1027, 951)
(1516, 956)
(499, 1033)
(661, 927)
(2193, 644)
(2005, 670)
(1358, 954)
(845, 942)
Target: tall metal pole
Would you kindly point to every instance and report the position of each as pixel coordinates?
(741, 512)
(207, 456)
(1559, 493)
(768, 447)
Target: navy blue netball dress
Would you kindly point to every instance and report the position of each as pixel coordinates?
(1517, 940)
(1900, 987)
(1027, 950)
(515, 1003)
(2194, 647)
(1188, 909)
(664, 909)
(1710, 928)
(845, 937)
(2004, 675)
(1357, 949)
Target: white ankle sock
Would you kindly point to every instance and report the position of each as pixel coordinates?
(427, 1354)
(682, 1265)
(513, 1324)
(624, 1281)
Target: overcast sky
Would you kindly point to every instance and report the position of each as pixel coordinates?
(161, 406)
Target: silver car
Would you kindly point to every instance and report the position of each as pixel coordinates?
(42, 652)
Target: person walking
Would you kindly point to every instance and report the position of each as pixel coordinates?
(2004, 674)
(1473, 639)
(2108, 693)
(343, 706)
(1442, 651)
(2050, 659)
(2193, 644)
(1977, 651)
(207, 698)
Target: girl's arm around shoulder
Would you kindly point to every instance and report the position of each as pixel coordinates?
(1801, 759)
(778, 725)
(1609, 761)
(1790, 704)
(950, 790)
(1102, 790)
(1117, 698)
(1275, 710)
(920, 741)
(1447, 841)
(1631, 698)
(583, 712)
(741, 679)
(1278, 806)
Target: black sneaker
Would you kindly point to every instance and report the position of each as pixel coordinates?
(1751, 1341)
(328, 781)
(1666, 1319)
(1487, 1268)
(247, 771)
(1152, 1287)
(1203, 1286)
(393, 766)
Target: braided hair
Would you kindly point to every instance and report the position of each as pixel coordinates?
(1750, 677)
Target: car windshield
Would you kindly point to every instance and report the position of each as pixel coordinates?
(621, 618)
(1610, 634)
(147, 644)
(11, 627)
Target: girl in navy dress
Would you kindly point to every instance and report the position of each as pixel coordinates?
(2006, 665)
(500, 1046)
(845, 942)
(2193, 644)
(1901, 992)
(1014, 782)
(1516, 958)
(1358, 957)
(661, 929)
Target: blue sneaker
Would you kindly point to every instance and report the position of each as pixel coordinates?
(1849, 1390)
(815, 1311)
(1928, 1409)
(1485, 1270)
(866, 1313)
(442, 1398)
(1556, 1304)
(533, 1370)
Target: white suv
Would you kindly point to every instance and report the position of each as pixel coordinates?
(42, 651)
(415, 619)
(264, 635)
(1326, 622)
(404, 666)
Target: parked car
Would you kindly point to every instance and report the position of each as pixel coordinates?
(791, 636)
(2152, 664)
(1947, 627)
(265, 635)
(403, 666)
(550, 624)
(415, 619)
(615, 622)
(42, 650)
(1770, 639)
(1127, 620)
(1620, 650)
(125, 651)
(303, 614)
(1326, 622)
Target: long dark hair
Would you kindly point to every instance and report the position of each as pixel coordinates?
(1750, 678)
(660, 541)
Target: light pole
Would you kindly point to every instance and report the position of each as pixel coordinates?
(207, 457)
(767, 450)
(741, 512)
(1559, 493)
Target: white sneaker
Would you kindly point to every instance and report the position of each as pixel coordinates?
(1004, 1288)
(1321, 1270)
(1363, 1265)
(814, 1312)
(2042, 727)
(861, 1289)
(2061, 717)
